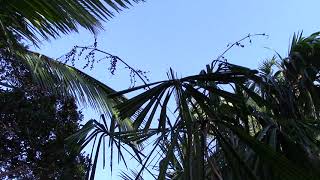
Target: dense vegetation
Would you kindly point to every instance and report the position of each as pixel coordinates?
(34, 125)
(231, 122)
(228, 122)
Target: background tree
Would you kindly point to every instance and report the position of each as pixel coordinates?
(34, 125)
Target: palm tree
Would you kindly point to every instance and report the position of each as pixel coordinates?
(231, 122)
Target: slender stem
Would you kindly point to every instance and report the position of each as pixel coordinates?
(117, 58)
(235, 43)
(127, 65)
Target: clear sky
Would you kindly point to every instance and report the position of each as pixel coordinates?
(187, 34)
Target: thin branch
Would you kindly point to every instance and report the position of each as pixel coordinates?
(117, 58)
(237, 43)
(94, 48)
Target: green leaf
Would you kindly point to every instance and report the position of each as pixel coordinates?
(49, 19)
(280, 164)
(163, 114)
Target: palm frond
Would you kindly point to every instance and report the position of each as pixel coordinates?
(266, 66)
(66, 80)
(124, 141)
(34, 18)
(200, 115)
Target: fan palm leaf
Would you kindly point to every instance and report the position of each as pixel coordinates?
(247, 136)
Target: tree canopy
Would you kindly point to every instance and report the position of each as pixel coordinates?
(34, 125)
(227, 122)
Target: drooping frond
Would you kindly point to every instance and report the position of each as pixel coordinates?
(66, 80)
(45, 18)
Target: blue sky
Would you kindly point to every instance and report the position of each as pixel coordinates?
(187, 34)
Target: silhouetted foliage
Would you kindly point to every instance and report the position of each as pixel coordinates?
(33, 128)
